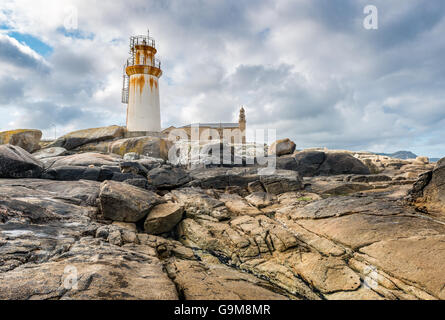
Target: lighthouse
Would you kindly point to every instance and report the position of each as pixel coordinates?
(141, 87)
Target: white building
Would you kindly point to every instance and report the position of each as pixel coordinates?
(141, 87)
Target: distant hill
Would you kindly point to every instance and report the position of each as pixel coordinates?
(434, 159)
(404, 155)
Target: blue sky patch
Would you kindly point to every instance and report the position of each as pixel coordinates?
(38, 46)
(76, 33)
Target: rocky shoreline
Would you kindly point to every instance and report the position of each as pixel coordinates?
(131, 225)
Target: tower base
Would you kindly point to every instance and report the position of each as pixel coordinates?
(134, 134)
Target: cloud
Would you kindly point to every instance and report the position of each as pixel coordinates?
(307, 68)
(20, 55)
(10, 90)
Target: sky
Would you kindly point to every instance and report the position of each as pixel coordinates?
(307, 68)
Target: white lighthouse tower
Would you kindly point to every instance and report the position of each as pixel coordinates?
(141, 87)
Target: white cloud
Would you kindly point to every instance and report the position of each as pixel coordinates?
(307, 68)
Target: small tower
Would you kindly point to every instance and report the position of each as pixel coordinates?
(141, 87)
(242, 124)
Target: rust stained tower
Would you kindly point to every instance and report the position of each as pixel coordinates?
(141, 87)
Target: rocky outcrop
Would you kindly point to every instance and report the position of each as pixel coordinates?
(282, 147)
(23, 138)
(103, 271)
(168, 177)
(422, 160)
(84, 160)
(163, 218)
(408, 169)
(197, 202)
(222, 282)
(220, 178)
(428, 192)
(218, 233)
(368, 178)
(314, 163)
(342, 163)
(287, 162)
(133, 167)
(74, 173)
(199, 275)
(329, 187)
(265, 248)
(260, 199)
(78, 138)
(51, 248)
(16, 162)
(50, 153)
(123, 202)
(237, 205)
(309, 162)
(146, 146)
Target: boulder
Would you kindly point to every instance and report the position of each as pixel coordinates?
(50, 152)
(86, 159)
(440, 163)
(24, 138)
(140, 183)
(16, 162)
(143, 146)
(309, 162)
(255, 186)
(126, 225)
(374, 166)
(287, 162)
(163, 218)
(237, 205)
(260, 199)
(121, 177)
(428, 191)
(168, 177)
(282, 147)
(72, 173)
(131, 156)
(198, 203)
(123, 202)
(133, 167)
(282, 181)
(314, 163)
(147, 146)
(81, 137)
(422, 160)
(342, 163)
(150, 162)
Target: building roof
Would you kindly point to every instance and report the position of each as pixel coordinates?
(214, 125)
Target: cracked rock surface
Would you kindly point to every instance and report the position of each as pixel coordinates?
(219, 233)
